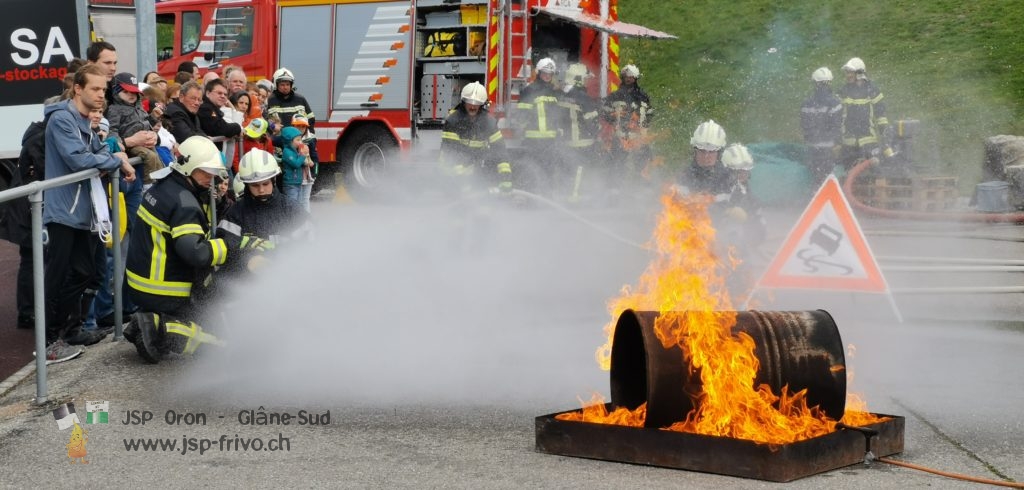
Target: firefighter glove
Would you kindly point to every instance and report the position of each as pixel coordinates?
(256, 263)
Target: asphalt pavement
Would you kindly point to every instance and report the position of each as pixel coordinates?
(433, 367)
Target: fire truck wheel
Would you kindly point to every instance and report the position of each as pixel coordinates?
(366, 156)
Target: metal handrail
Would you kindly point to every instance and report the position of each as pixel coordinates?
(34, 192)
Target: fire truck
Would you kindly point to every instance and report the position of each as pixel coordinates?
(381, 76)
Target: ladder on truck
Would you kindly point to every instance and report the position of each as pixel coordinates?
(512, 34)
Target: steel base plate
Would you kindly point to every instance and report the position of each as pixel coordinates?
(711, 454)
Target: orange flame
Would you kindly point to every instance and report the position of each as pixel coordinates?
(687, 275)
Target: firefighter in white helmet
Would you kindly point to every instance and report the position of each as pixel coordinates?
(865, 127)
(285, 102)
(263, 218)
(472, 147)
(542, 121)
(628, 109)
(737, 217)
(582, 124)
(706, 174)
(172, 255)
(821, 118)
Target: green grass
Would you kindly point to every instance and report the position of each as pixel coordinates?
(956, 66)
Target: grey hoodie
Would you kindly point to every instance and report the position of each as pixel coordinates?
(71, 146)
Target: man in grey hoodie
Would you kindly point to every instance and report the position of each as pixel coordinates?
(71, 246)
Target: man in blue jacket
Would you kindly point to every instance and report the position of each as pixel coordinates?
(71, 246)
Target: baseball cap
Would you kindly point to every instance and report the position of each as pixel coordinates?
(128, 82)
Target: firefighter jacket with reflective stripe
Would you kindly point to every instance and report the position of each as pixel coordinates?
(713, 180)
(821, 118)
(170, 249)
(257, 226)
(290, 105)
(468, 142)
(864, 118)
(636, 105)
(539, 112)
(582, 112)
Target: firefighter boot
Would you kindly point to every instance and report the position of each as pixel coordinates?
(144, 332)
(184, 337)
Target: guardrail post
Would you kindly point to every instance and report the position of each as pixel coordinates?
(39, 293)
(118, 272)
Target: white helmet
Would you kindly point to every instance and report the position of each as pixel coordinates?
(577, 73)
(474, 93)
(546, 65)
(630, 71)
(283, 75)
(709, 136)
(256, 166)
(855, 65)
(198, 152)
(822, 74)
(737, 157)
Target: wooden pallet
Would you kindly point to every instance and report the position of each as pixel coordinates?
(911, 193)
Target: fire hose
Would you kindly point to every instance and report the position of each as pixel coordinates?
(1016, 218)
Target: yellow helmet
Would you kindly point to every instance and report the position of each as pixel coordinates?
(198, 152)
(256, 166)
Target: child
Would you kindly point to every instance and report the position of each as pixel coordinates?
(296, 164)
(128, 118)
(255, 136)
(309, 139)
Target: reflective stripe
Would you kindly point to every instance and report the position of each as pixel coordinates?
(495, 137)
(185, 330)
(186, 229)
(233, 228)
(860, 141)
(524, 105)
(504, 168)
(448, 135)
(875, 100)
(540, 134)
(157, 287)
(153, 221)
(590, 115)
(219, 250)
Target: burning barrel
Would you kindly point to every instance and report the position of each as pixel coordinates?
(801, 349)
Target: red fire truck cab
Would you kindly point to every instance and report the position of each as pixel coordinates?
(382, 75)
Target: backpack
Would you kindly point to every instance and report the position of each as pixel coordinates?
(15, 215)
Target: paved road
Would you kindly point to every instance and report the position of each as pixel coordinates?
(434, 353)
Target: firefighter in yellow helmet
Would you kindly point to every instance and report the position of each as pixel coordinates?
(542, 120)
(172, 255)
(865, 129)
(472, 146)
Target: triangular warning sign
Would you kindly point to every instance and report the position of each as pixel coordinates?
(826, 249)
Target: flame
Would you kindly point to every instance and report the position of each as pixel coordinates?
(686, 275)
(597, 410)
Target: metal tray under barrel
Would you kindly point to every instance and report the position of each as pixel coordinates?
(713, 454)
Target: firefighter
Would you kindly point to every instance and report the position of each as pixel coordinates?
(737, 217)
(471, 139)
(821, 118)
(628, 110)
(542, 119)
(263, 218)
(706, 173)
(865, 128)
(172, 256)
(285, 102)
(582, 122)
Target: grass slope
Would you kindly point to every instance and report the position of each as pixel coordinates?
(956, 66)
